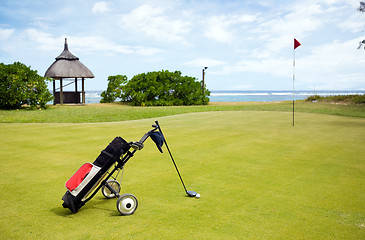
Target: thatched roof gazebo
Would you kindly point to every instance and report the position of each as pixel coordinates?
(68, 66)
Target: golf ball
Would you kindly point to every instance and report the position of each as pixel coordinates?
(197, 195)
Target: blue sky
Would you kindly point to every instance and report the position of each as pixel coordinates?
(246, 44)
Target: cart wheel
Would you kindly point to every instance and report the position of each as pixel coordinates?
(114, 184)
(127, 204)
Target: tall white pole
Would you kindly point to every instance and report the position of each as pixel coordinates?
(293, 81)
(296, 44)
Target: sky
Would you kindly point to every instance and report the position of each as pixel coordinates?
(246, 44)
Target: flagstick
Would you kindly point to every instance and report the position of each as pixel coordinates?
(293, 81)
(296, 44)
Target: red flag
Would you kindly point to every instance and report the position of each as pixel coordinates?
(296, 43)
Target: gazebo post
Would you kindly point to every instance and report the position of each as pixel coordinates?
(83, 91)
(61, 92)
(75, 84)
(54, 91)
(76, 97)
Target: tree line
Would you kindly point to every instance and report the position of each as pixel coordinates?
(21, 86)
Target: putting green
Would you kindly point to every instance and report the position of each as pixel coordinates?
(258, 176)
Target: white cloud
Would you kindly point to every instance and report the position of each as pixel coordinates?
(298, 20)
(5, 33)
(154, 22)
(41, 22)
(335, 65)
(279, 67)
(147, 51)
(354, 23)
(203, 62)
(222, 28)
(322, 67)
(101, 7)
(44, 40)
(98, 44)
(88, 44)
(218, 29)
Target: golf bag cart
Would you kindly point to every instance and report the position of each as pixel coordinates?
(91, 177)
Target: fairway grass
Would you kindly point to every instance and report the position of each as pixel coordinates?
(258, 176)
(112, 112)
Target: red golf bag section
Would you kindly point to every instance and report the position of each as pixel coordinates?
(76, 179)
(84, 181)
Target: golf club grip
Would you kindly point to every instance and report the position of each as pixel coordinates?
(168, 149)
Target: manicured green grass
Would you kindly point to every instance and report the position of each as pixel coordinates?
(118, 112)
(259, 178)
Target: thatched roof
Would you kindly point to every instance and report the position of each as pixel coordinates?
(68, 65)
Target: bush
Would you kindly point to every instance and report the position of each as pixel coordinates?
(164, 88)
(359, 99)
(313, 98)
(19, 85)
(114, 89)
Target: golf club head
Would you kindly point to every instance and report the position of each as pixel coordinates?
(191, 193)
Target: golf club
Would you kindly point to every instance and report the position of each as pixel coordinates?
(189, 193)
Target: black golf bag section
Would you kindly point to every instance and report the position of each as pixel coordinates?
(88, 177)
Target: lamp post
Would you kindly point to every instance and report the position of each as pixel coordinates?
(203, 83)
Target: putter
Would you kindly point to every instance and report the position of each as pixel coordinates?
(189, 193)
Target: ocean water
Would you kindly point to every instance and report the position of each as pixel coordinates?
(92, 96)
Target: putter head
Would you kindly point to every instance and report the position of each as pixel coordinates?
(191, 193)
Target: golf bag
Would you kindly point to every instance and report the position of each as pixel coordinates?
(89, 175)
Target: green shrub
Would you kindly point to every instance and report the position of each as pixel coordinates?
(350, 99)
(19, 85)
(313, 98)
(359, 99)
(164, 88)
(114, 88)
